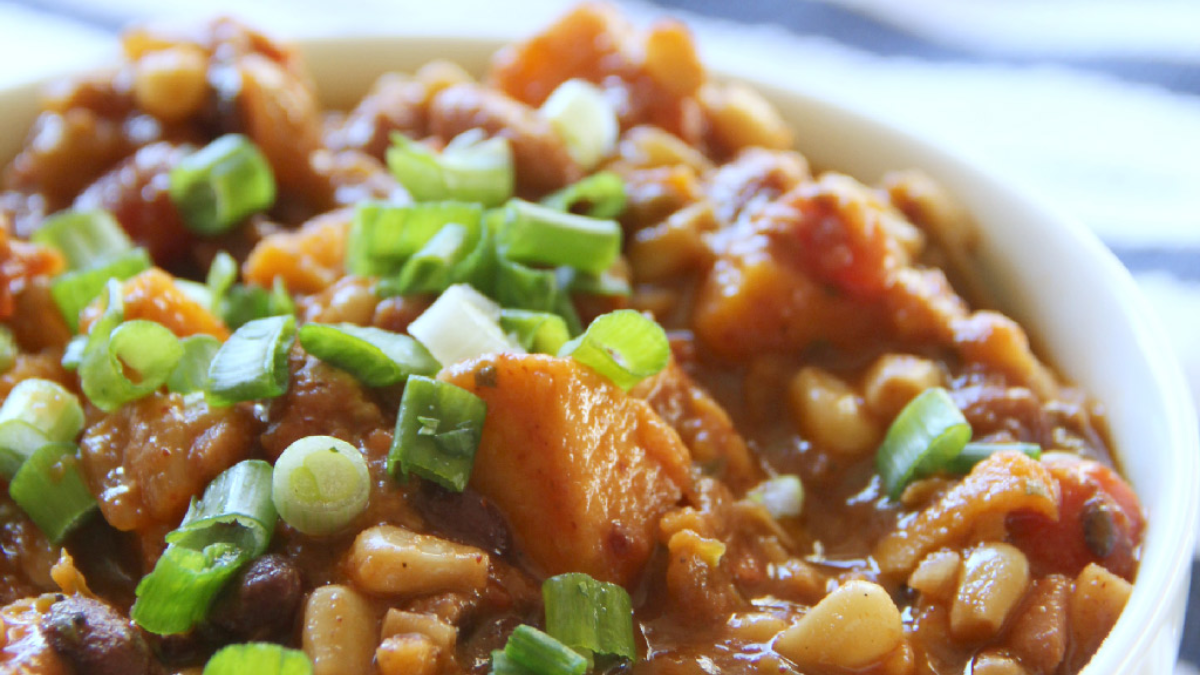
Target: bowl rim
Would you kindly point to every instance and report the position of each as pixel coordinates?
(1147, 606)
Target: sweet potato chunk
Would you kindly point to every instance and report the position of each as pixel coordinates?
(999, 485)
(753, 302)
(702, 424)
(582, 471)
(309, 259)
(146, 461)
(154, 295)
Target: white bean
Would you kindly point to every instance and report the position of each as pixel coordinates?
(831, 413)
(855, 626)
(394, 561)
(994, 578)
(339, 631)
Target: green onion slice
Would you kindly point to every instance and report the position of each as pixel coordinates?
(461, 324)
(258, 658)
(600, 195)
(73, 291)
(537, 332)
(8, 349)
(36, 413)
(581, 113)
(522, 287)
(974, 453)
(243, 304)
(530, 650)
(604, 284)
(73, 353)
(84, 237)
(782, 496)
(47, 406)
(253, 362)
(50, 489)
(384, 236)
(589, 616)
(321, 485)
(222, 184)
(925, 437)
(624, 346)
(503, 665)
(437, 432)
(376, 357)
(536, 234)
(472, 168)
(223, 531)
(238, 304)
(18, 441)
(433, 268)
(116, 349)
(222, 275)
(191, 373)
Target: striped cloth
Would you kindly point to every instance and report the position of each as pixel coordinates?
(1093, 104)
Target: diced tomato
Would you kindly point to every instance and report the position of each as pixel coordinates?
(1100, 521)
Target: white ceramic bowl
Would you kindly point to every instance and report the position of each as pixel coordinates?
(1079, 304)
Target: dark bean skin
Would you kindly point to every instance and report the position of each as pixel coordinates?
(96, 639)
(464, 517)
(260, 604)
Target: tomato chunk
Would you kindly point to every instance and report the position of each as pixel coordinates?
(1100, 521)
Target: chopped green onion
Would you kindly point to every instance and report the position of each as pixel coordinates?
(258, 658)
(195, 291)
(538, 332)
(50, 489)
(191, 373)
(589, 616)
(384, 236)
(18, 441)
(503, 665)
(529, 650)
(225, 529)
(974, 453)
(437, 432)
(48, 406)
(281, 302)
(147, 350)
(73, 353)
(605, 284)
(376, 357)
(432, 269)
(222, 275)
(73, 291)
(471, 168)
(461, 324)
(36, 412)
(321, 484)
(926, 436)
(237, 304)
(8, 349)
(782, 496)
(84, 237)
(580, 113)
(538, 290)
(222, 184)
(253, 362)
(522, 287)
(624, 346)
(244, 304)
(537, 234)
(600, 195)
